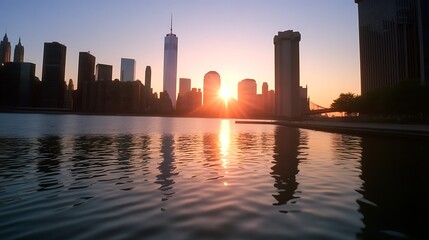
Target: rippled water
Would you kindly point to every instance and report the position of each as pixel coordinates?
(98, 177)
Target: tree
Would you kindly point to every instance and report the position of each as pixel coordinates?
(346, 102)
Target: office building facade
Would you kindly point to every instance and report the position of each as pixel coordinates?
(128, 70)
(394, 42)
(286, 74)
(53, 74)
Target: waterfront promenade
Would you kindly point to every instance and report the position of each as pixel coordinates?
(351, 127)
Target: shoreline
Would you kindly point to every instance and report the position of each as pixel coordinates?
(385, 129)
(412, 130)
(71, 112)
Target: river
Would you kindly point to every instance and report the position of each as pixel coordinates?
(129, 177)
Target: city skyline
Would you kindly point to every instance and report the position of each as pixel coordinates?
(237, 42)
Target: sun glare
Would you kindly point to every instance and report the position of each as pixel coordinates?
(225, 93)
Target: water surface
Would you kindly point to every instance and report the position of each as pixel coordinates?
(98, 177)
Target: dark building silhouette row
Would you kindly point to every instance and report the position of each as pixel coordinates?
(18, 85)
(394, 42)
(20, 88)
(101, 94)
(97, 92)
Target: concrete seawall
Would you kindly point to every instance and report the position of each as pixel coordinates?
(352, 128)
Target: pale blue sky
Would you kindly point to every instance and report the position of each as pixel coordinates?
(232, 37)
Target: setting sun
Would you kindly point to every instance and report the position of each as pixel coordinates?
(225, 93)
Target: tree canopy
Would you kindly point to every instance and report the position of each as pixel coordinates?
(408, 98)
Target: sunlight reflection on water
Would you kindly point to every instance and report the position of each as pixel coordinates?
(96, 177)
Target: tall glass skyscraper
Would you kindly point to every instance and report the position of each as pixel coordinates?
(170, 66)
(394, 42)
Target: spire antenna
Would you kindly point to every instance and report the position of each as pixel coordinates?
(171, 24)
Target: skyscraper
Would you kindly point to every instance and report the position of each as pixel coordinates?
(184, 85)
(148, 78)
(247, 93)
(4, 50)
(103, 72)
(128, 69)
(18, 86)
(84, 76)
(170, 65)
(86, 69)
(53, 74)
(211, 88)
(394, 42)
(286, 74)
(18, 55)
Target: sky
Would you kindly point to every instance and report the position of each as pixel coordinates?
(232, 37)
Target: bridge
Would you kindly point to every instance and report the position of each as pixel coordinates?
(317, 109)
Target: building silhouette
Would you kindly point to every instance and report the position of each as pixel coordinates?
(128, 70)
(196, 98)
(84, 76)
(170, 65)
(247, 97)
(304, 100)
(148, 79)
(211, 88)
(53, 74)
(189, 102)
(394, 42)
(68, 98)
(265, 100)
(5, 50)
(103, 72)
(287, 92)
(265, 93)
(19, 88)
(184, 85)
(148, 88)
(115, 97)
(18, 55)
